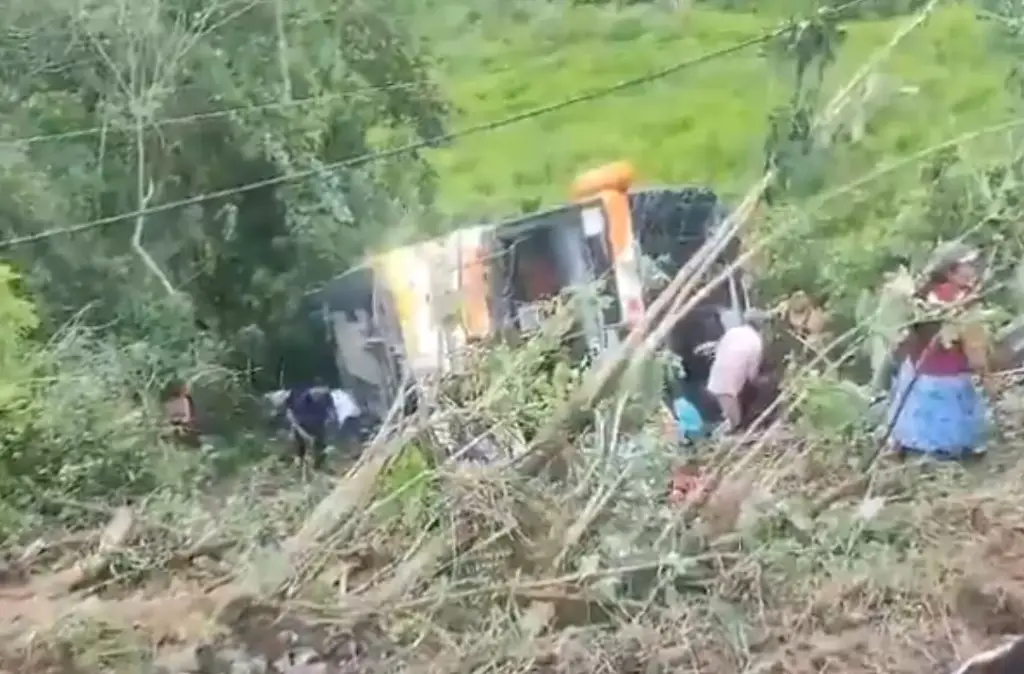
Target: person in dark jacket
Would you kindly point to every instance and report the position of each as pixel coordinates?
(308, 410)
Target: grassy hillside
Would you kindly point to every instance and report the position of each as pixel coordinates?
(706, 124)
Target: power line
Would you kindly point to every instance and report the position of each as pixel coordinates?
(224, 112)
(214, 114)
(425, 143)
(397, 151)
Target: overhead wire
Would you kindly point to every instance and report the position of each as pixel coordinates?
(422, 144)
(227, 112)
(215, 114)
(348, 94)
(389, 152)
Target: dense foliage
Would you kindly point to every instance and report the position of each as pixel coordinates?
(200, 142)
(176, 178)
(170, 192)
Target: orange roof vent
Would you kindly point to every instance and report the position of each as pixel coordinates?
(617, 176)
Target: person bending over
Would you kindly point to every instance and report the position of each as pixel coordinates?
(309, 410)
(736, 366)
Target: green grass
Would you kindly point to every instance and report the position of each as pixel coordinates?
(703, 125)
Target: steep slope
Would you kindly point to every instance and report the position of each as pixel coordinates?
(706, 124)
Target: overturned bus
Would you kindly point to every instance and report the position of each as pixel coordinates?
(405, 313)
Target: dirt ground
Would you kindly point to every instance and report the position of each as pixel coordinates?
(840, 627)
(984, 601)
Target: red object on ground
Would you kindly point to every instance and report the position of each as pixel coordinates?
(948, 292)
(687, 481)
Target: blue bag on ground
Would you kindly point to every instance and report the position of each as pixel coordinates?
(689, 421)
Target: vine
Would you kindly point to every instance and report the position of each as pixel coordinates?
(808, 48)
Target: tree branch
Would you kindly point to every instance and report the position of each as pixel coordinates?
(282, 52)
(144, 193)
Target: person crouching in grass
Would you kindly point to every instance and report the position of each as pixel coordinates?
(180, 413)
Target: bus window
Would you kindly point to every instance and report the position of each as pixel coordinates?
(535, 270)
(538, 278)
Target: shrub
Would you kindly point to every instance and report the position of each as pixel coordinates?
(80, 419)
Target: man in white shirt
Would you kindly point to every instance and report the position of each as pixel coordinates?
(736, 365)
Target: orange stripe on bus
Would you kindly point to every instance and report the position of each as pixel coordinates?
(620, 222)
(475, 312)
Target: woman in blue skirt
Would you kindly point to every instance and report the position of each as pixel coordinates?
(936, 408)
